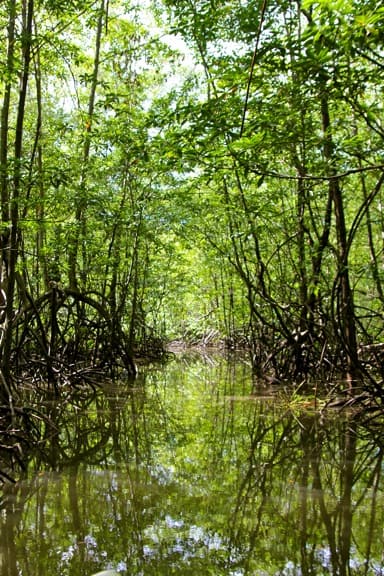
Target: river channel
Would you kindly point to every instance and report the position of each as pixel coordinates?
(194, 470)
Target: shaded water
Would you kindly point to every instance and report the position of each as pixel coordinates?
(187, 474)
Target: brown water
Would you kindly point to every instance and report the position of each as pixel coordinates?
(187, 474)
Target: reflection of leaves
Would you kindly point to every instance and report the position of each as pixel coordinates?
(198, 477)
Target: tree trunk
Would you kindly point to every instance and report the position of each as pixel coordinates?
(345, 309)
(12, 217)
(81, 207)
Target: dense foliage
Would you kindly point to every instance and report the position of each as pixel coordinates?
(197, 170)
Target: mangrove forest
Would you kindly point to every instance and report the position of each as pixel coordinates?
(189, 173)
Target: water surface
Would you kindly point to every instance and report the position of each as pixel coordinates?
(189, 474)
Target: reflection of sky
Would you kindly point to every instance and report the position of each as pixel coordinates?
(98, 557)
(175, 510)
(172, 523)
(181, 539)
(164, 474)
(92, 553)
(324, 558)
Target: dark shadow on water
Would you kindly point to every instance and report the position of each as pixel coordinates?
(187, 473)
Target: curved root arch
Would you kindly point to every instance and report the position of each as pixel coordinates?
(64, 328)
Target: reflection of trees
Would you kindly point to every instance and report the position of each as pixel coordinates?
(300, 494)
(186, 474)
(107, 429)
(8, 524)
(351, 473)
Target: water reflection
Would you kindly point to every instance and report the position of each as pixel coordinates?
(187, 474)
